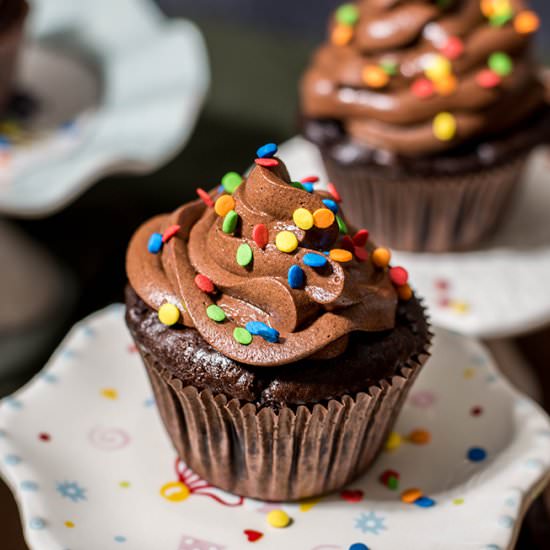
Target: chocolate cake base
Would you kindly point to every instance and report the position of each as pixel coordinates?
(279, 433)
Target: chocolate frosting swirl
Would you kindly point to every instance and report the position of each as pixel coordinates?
(407, 35)
(314, 320)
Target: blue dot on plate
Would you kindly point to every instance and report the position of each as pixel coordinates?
(12, 460)
(493, 547)
(37, 523)
(358, 546)
(120, 538)
(476, 454)
(506, 521)
(29, 486)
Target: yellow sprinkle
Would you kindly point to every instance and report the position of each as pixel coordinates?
(168, 314)
(381, 257)
(286, 241)
(469, 373)
(303, 218)
(69, 524)
(444, 126)
(340, 255)
(307, 505)
(458, 501)
(109, 393)
(224, 204)
(278, 518)
(374, 76)
(175, 491)
(460, 307)
(438, 68)
(393, 442)
(323, 218)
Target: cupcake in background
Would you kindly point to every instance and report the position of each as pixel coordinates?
(279, 343)
(425, 113)
(12, 18)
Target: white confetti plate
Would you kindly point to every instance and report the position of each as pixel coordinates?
(118, 89)
(83, 449)
(498, 291)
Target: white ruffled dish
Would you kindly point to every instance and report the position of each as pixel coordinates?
(117, 87)
(498, 291)
(83, 449)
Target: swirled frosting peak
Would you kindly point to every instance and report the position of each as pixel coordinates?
(418, 77)
(265, 270)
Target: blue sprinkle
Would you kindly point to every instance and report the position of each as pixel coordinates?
(308, 187)
(314, 260)
(476, 454)
(120, 538)
(296, 277)
(257, 328)
(37, 523)
(155, 243)
(331, 205)
(29, 486)
(12, 460)
(358, 546)
(267, 151)
(424, 502)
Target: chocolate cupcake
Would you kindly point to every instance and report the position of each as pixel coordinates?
(425, 113)
(279, 347)
(12, 19)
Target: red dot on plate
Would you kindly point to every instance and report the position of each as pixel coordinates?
(441, 284)
(44, 437)
(476, 411)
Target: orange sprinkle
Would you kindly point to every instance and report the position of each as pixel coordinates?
(488, 8)
(410, 495)
(526, 22)
(375, 76)
(420, 437)
(341, 35)
(381, 257)
(323, 218)
(405, 293)
(341, 255)
(446, 85)
(224, 204)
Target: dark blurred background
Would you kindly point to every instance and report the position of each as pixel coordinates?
(257, 53)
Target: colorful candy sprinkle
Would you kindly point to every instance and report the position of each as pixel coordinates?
(444, 126)
(389, 66)
(374, 76)
(424, 502)
(393, 442)
(267, 151)
(500, 63)
(488, 79)
(331, 205)
(411, 495)
(297, 185)
(526, 22)
(361, 237)
(303, 218)
(310, 179)
(341, 35)
(446, 85)
(154, 246)
(286, 241)
(224, 204)
(360, 254)
(438, 67)
(390, 479)
(381, 257)
(230, 222)
(168, 314)
(323, 218)
(257, 328)
(341, 255)
(204, 283)
(331, 188)
(295, 277)
(205, 197)
(170, 232)
(216, 313)
(267, 163)
(398, 275)
(405, 293)
(347, 243)
(242, 336)
(342, 227)
(231, 182)
(244, 255)
(420, 437)
(311, 259)
(278, 518)
(476, 454)
(260, 235)
(308, 187)
(453, 48)
(423, 88)
(347, 14)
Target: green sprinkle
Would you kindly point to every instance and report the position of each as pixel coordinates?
(342, 225)
(389, 67)
(500, 63)
(231, 181)
(347, 14)
(298, 185)
(216, 313)
(242, 336)
(393, 483)
(230, 222)
(501, 18)
(244, 254)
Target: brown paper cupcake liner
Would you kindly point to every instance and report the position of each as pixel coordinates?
(431, 214)
(278, 455)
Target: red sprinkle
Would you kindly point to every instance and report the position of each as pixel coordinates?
(488, 79)
(310, 179)
(205, 197)
(170, 232)
(398, 276)
(361, 237)
(361, 254)
(441, 284)
(422, 88)
(347, 244)
(385, 476)
(267, 162)
(260, 234)
(204, 283)
(44, 437)
(332, 190)
(454, 48)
